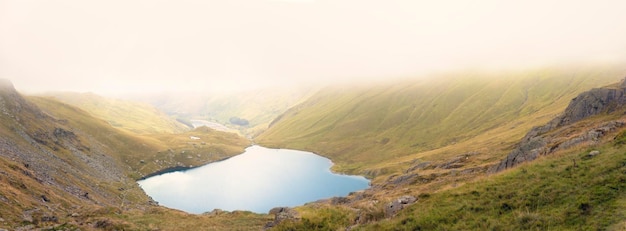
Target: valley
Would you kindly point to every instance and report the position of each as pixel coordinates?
(431, 148)
(289, 115)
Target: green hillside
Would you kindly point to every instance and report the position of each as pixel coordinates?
(132, 116)
(552, 193)
(567, 174)
(146, 154)
(64, 169)
(361, 127)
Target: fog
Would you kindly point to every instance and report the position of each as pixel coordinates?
(122, 46)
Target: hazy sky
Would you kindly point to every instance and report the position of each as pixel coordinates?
(151, 45)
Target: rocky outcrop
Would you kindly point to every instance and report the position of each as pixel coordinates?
(282, 214)
(593, 102)
(395, 206)
(556, 136)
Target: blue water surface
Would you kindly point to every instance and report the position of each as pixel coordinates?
(257, 180)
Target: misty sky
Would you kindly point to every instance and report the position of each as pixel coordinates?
(152, 45)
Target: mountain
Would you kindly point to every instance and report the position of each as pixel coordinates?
(52, 169)
(132, 116)
(371, 129)
(468, 151)
(63, 169)
(567, 173)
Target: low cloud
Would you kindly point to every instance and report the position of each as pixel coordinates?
(131, 46)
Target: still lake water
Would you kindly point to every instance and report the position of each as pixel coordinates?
(257, 180)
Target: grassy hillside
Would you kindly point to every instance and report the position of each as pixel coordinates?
(365, 127)
(551, 193)
(63, 169)
(576, 184)
(146, 154)
(136, 117)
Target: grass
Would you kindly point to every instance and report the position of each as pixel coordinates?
(363, 128)
(135, 117)
(43, 178)
(548, 194)
(379, 130)
(146, 154)
(159, 218)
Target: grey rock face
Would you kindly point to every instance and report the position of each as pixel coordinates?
(282, 214)
(395, 206)
(590, 103)
(593, 102)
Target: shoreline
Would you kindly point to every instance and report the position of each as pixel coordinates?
(181, 168)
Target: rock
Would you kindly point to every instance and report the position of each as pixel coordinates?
(62, 133)
(525, 151)
(593, 102)
(30, 216)
(533, 146)
(421, 165)
(586, 104)
(50, 219)
(282, 214)
(339, 200)
(75, 215)
(395, 206)
(405, 179)
(591, 154)
(103, 224)
(215, 212)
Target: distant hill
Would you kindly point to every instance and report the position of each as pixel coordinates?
(249, 111)
(136, 117)
(362, 127)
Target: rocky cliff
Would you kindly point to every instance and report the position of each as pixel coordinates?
(559, 133)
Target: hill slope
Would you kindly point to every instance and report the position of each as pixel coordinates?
(360, 128)
(51, 169)
(568, 174)
(136, 117)
(62, 168)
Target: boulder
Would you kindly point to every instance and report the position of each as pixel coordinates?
(405, 179)
(395, 206)
(339, 200)
(282, 214)
(591, 154)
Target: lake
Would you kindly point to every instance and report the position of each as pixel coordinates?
(257, 180)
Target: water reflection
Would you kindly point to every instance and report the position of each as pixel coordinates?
(257, 180)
